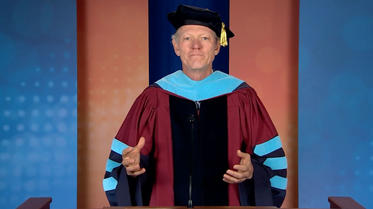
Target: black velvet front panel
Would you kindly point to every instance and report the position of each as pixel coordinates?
(199, 137)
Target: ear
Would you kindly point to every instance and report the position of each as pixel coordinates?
(176, 47)
(217, 49)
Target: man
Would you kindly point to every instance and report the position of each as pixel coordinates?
(197, 136)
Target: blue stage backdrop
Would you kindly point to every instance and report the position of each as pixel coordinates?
(335, 101)
(38, 151)
(160, 30)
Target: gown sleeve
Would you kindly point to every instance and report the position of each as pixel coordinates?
(269, 180)
(120, 189)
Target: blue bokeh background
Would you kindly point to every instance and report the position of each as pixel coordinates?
(335, 101)
(38, 149)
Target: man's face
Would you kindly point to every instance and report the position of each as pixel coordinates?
(196, 46)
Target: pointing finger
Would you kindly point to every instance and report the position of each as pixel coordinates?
(127, 161)
(133, 168)
(236, 174)
(126, 151)
(139, 172)
(230, 179)
(136, 173)
(241, 168)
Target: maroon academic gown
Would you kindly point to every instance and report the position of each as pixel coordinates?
(248, 124)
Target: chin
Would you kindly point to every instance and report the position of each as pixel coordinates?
(201, 69)
(198, 67)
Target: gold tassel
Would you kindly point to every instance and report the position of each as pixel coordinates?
(223, 35)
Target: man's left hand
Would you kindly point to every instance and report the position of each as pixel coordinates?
(241, 171)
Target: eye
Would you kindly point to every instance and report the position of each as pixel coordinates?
(186, 38)
(205, 38)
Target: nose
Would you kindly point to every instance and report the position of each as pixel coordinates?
(196, 44)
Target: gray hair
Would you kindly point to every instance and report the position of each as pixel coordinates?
(175, 36)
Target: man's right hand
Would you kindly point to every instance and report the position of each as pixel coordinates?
(131, 159)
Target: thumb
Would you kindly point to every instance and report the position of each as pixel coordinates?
(243, 154)
(141, 143)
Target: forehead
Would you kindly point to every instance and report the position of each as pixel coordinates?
(195, 29)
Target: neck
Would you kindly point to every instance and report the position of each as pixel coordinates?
(197, 74)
